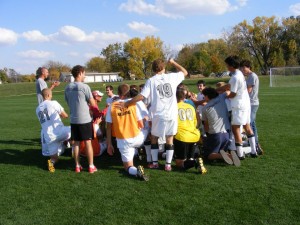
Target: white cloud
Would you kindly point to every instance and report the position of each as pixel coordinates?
(142, 27)
(71, 34)
(8, 37)
(178, 8)
(295, 9)
(35, 36)
(35, 54)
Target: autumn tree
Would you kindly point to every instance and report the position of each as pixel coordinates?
(55, 68)
(96, 64)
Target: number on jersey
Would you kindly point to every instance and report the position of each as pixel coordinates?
(185, 114)
(43, 116)
(164, 90)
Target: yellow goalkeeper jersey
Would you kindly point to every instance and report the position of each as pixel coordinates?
(187, 121)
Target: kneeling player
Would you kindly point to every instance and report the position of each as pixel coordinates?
(53, 133)
(187, 135)
(127, 124)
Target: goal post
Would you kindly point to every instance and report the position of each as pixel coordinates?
(285, 77)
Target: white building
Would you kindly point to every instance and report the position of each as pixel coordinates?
(92, 77)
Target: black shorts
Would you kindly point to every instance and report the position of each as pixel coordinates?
(183, 150)
(82, 132)
(215, 142)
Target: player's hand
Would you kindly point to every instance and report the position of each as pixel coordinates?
(55, 83)
(120, 105)
(171, 61)
(110, 150)
(98, 120)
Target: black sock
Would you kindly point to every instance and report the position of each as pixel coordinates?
(188, 164)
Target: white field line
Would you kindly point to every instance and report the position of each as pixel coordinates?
(26, 94)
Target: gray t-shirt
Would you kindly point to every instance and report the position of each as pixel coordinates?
(216, 114)
(40, 85)
(77, 96)
(253, 81)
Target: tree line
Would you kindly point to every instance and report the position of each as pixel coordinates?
(265, 41)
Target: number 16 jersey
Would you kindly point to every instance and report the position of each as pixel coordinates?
(162, 92)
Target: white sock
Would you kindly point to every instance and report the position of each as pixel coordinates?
(252, 144)
(132, 171)
(169, 156)
(148, 153)
(154, 154)
(92, 166)
(239, 150)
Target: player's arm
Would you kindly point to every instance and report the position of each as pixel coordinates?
(133, 101)
(178, 67)
(92, 102)
(231, 94)
(54, 84)
(249, 88)
(63, 114)
(110, 148)
(224, 88)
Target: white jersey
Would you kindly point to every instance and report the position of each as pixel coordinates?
(238, 85)
(110, 100)
(48, 114)
(200, 97)
(162, 92)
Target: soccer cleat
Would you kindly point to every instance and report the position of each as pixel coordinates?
(168, 168)
(253, 155)
(235, 158)
(199, 166)
(141, 174)
(225, 157)
(51, 166)
(259, 150)
(93, 169)
(78, 169)
(153, 166)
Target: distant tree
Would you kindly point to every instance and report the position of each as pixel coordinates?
(96, 64)
(55, 68)
(28, 78)
(263, 39)
(3, 76)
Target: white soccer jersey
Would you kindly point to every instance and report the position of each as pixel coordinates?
(200, 97)
(238, 85)
(162, 92)
(48, 114)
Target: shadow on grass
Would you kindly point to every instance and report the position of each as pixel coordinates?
(30, 142)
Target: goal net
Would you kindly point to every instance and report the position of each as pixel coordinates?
(285, 77)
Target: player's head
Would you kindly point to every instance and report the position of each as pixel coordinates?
(78, 72)
(97, 95)
(220, 84)
(124, 91)
(109, 90)
(158, 66)
(42, 72)
(232, 62)
(141, 86)
(245, 66)
(47, 94)
(134, 90)
(180, 94)
(201, 85)
(210, 93)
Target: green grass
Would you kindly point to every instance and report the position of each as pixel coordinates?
(262, 191)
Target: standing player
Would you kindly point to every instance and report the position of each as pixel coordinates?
(53, 133)
(252, 87)
(240, 105)
(161, 88)
(110, 93)
(78, 96)
(40, 84)
(127, 124)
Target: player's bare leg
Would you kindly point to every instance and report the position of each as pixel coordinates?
(90, 156)
(78, 167)
(238, 140)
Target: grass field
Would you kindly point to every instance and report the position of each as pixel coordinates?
(262, 191)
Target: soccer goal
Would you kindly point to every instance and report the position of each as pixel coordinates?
(285, 77)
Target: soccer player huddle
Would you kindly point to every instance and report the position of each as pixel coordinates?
(163, 114)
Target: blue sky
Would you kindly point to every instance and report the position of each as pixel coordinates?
(72, 31)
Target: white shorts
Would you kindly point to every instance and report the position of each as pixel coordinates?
(162, 128)
(57, 146)
(127, 146)
(240, 117)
